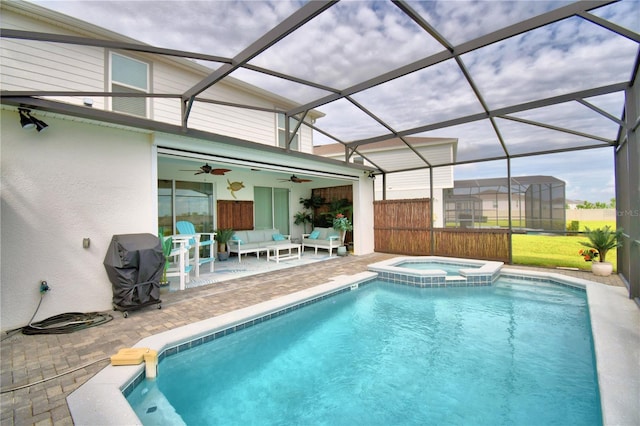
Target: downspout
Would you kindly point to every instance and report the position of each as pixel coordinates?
(384, 186)
(510, 230)
(431, 236)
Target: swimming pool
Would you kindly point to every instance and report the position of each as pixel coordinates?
(389, 354)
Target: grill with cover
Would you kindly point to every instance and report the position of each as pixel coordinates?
(134, 264)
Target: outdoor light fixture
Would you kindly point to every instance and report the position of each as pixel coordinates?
(27, 121)
(40, 125)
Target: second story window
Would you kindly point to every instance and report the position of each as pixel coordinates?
(129, 76)
(282, 139)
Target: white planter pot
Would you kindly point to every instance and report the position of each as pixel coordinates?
(601, 269)
(342, 251)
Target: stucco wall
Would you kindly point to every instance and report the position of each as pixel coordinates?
(363, 237)
(69, 182)
(590, 214)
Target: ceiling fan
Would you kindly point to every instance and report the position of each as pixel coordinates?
(295, 179)
(207, 169)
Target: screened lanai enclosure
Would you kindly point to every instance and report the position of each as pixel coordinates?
(524, 204)
(510, 80)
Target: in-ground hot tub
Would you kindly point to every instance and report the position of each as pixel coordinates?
(437, 271)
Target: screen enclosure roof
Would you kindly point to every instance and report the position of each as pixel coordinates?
(505, 79)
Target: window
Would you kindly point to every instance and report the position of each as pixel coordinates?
(130, 76)
(190, 201)
(282, 139)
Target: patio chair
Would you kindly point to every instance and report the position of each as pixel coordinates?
(180, 262)
(194, 240)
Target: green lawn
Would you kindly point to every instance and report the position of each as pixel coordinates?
(556, 250)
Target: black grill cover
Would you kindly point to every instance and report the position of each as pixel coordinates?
(134, 264)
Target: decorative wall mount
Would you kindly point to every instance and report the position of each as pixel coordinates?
(234, 187)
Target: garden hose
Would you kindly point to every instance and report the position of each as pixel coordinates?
(62, 323)
(59, 324)
(67, 323)
(15, 388)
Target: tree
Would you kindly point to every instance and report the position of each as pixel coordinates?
(597, 205)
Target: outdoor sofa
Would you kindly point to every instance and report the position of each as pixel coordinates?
(255, 241)
(322, 238)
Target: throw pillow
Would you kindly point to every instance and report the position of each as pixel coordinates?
(314, 235)
(237, 239)
(278, 237)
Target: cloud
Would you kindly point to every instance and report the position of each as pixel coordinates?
(356, 40)
(220, 28)
(568, 56)
(349, 43)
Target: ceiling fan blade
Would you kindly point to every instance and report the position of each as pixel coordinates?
(219, 172)
(296, 179)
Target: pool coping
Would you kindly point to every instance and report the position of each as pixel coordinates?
(616, 344)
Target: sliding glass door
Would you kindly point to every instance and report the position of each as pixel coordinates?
(190, 201)
(272, 208)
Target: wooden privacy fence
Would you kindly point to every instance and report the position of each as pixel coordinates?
(490, 244)
(404, 227)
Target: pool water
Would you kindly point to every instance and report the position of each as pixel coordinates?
(510, 354)
(450, 268)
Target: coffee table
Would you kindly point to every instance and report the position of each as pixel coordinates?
(284, 256)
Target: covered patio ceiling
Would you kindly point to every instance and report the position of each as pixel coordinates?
(545, 77)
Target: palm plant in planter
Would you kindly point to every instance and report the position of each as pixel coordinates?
(310, 204)
(302, 218)
(167, 245)
(601, 240)
(341, 223)
(222, 237)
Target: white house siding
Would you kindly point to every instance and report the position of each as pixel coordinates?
(398, 158)
(255, 126)
(306, 140)
(72, 181)
(34, 65)
(416, 181)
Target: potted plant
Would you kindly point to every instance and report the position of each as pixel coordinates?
(601, 240)
(167, 244)
(222, 237)
(341, 223)
(312, 204)
(302, 218)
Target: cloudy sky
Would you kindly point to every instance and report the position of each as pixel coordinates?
(357, 40)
